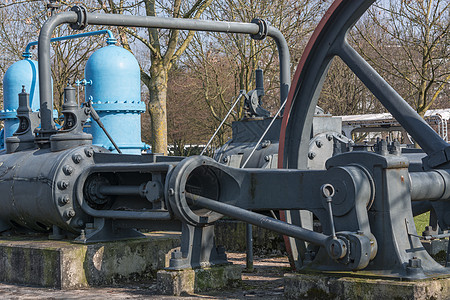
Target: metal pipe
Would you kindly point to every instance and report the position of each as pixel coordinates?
(47, 124)
(120, 190)
(45, 83)
(27, 53)
(204, 25)
(416, 126)
(433, 185)
(249, 252)
(259, 220)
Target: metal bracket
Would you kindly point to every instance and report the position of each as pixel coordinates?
(82, 17)
(263, 29)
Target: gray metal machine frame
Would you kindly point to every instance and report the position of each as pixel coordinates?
(363, 200)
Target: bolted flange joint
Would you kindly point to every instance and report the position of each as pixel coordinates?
(263, 29)
(81, 22)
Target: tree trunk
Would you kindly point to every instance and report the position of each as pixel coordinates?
(157, 107)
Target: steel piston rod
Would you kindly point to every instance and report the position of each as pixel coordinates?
(259, 220)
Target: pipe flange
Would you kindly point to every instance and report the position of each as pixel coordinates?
(263, 29)
(81, 22)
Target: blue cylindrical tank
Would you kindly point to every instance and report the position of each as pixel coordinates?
(23, 72)
(114, 86)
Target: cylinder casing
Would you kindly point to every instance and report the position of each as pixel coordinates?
(37, 188)
(114, 86)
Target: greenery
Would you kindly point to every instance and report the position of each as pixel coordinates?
(421, 222)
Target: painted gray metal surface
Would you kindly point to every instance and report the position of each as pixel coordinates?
(367, 223)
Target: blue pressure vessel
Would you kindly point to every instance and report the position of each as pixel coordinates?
(113, 85)
(23, 72)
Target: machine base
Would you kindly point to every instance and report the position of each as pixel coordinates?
(189, 281)
(308, 286)
(61, 264)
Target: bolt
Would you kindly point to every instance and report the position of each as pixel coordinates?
(311, 155)
(267, 158)
(225, 159)
(171, 192)
(319, 143)
(68, 170)
(88, 152)
(70, 213)
(77, 158)
(64, 199)
(176, 254)
(329, 137)
(415, 262)
(62, 185)
(265, 144)
(80, 223)
(83, 235)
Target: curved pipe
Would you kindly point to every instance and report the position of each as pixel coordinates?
(111, 38)
(45, 84)
(47, 124)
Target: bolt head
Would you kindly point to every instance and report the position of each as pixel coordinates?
(267, 158)
(319, 144)
(77, 158)
(64, 200)
(177, 254)
(88, 152)
(225, 159)
(70, 213)
(68, 170)
(63, 184)
(311, 155)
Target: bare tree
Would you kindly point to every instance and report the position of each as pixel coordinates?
(165, 46)
(407, 42)
(225, 63)
(20, 24)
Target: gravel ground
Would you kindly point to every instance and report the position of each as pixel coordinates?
(266, 282)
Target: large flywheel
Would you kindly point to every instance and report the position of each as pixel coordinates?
(328, 41)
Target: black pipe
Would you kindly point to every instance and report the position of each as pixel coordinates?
(259, 220)
(120, 190)
(47, 124)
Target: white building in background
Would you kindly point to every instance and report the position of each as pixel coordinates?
(369, 127)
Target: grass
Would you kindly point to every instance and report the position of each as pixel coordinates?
(421, 222)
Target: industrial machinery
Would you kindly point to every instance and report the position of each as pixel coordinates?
(56, 179)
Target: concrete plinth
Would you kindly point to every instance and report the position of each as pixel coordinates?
(306, 286)
(64, 265)
(192, 281)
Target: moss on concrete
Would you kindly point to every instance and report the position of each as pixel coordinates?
(306, 286)
(65, 265)
(188, 281)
